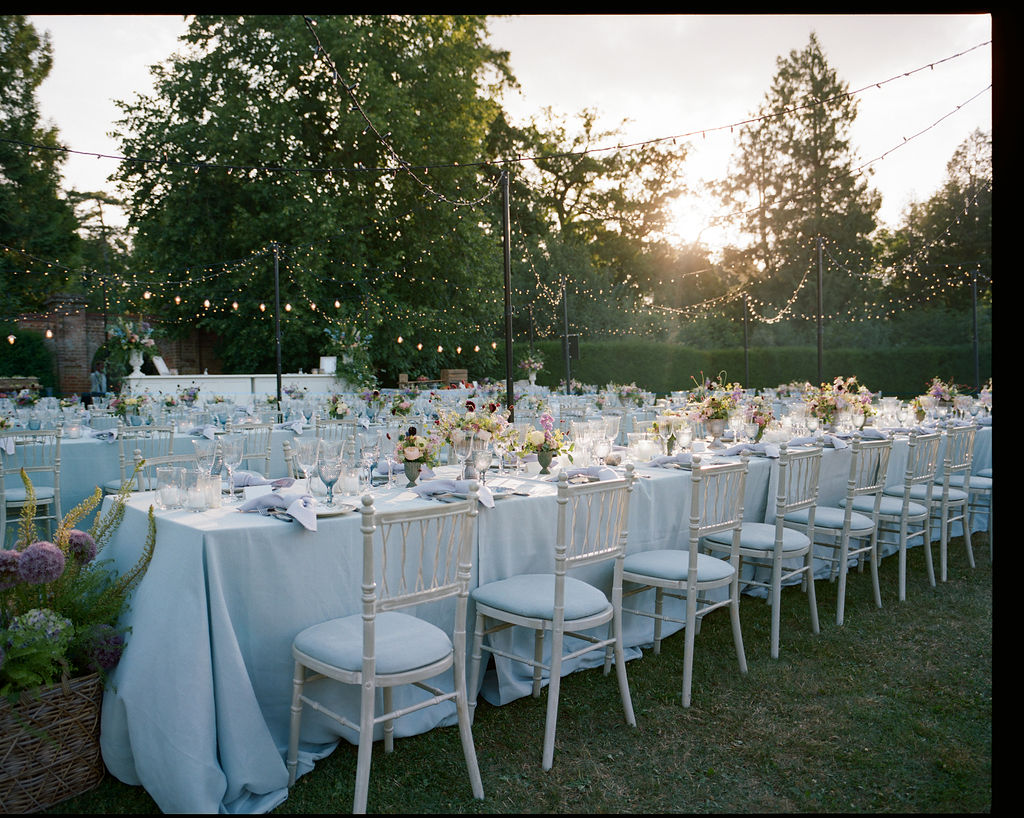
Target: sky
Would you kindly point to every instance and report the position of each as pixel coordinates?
(668, 75)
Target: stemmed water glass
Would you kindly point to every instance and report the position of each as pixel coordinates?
(306, 453)
(329, 466)
(482, 456)
(462, 444)
(232, 448)
(206, 454)
(665, 431)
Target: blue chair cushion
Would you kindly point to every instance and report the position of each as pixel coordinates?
(533, 595)
(985, 473)
(890, 506)
(16, 494)
(403, 642)
(923, 492)
(830, 517)
(761, 537)
(977, 482)
(673, 565)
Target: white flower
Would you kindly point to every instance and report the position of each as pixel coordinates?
(535, 437)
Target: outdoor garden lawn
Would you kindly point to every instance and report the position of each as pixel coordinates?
(890, 713)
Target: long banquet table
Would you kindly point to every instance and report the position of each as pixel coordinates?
(197, 711)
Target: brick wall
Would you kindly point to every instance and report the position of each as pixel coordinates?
(78, 333)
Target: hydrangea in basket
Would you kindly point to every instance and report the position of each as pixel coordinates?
(60, 605)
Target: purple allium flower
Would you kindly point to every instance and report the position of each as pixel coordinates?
(82, 546)
(102, 647)
(9, 559)
(41, 562)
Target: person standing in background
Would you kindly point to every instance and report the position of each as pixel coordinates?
(97, 381)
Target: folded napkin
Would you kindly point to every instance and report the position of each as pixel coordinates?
(830, 440)
(295, 425)
(7, 444)
(109, 435)
(600, 472)
(984, 421)
(301, 507)
(432, 487)
(250, 478)
(767, 449)
(664, 461)
(209, 431)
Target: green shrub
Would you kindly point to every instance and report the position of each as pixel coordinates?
(27, 356)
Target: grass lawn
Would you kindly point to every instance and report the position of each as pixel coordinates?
(890, 713)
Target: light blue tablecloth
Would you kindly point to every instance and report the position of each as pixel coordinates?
(198, 708)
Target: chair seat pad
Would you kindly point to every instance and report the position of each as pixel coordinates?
(533, 595)
(16, 494)
(830, 517)
(977, 482)
(923, 492)
(403, 642)
(673, 565)
(761, 537)
(985, 473)
(889, 507)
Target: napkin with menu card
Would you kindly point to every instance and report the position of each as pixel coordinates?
(432, 487)
(109, 435)
(295, 425)
(767, 449)
(301, 507)
(249, 478)
(209, 432)
(666, 461)
(830, 440)
(600, 472)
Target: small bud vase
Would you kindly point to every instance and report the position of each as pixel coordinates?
(412, 472)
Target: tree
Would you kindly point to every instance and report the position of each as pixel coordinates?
(793, 181)
(351, 166)
(35, 222)
(945, 243)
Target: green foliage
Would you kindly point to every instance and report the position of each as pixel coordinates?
(34, 220)
(28, 356)
(64, 624)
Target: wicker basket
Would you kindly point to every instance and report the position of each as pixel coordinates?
(49, 745)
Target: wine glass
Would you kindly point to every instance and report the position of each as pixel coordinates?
(482, 456)
(812, 423)
(664, 431)
(232, 448)
(305, 454)
(369, 452)
(462, 443)
(602, 448)
(329, 466)
(206, 454)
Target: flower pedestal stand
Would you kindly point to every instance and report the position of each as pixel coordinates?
(545, 458)
(533, 378)
(412, 472)
(716, 428)
(135, 359)
(50, 745)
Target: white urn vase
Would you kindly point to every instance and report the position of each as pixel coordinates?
(135, 359)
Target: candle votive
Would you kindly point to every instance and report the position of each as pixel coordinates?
(168, 487)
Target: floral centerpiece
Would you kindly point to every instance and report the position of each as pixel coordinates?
(985, 395)
(131, 341)
(713, 400)
(222, 399)
(70, 403)
(189, 395)
(351, 346)
(169, 400)
(373, 400)
(942, 391)
(401, 406)
(760, 412)
(337, 408)
(547, 442)
(26, 398)
(532, 363)
(828, 400)
(124, 405)
(482, 424)
(294, 391)
(5, 422)
(630, 393)
(414, 451)
(577, 387)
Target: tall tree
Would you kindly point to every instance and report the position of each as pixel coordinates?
(36, 223)
(944, 247)
(356, 161)
(794, 180)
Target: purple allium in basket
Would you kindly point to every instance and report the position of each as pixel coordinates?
(41, 562)
(9, 568)
(103, 648)
(82, 546)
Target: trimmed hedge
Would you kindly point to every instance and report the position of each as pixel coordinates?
(662, 367)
